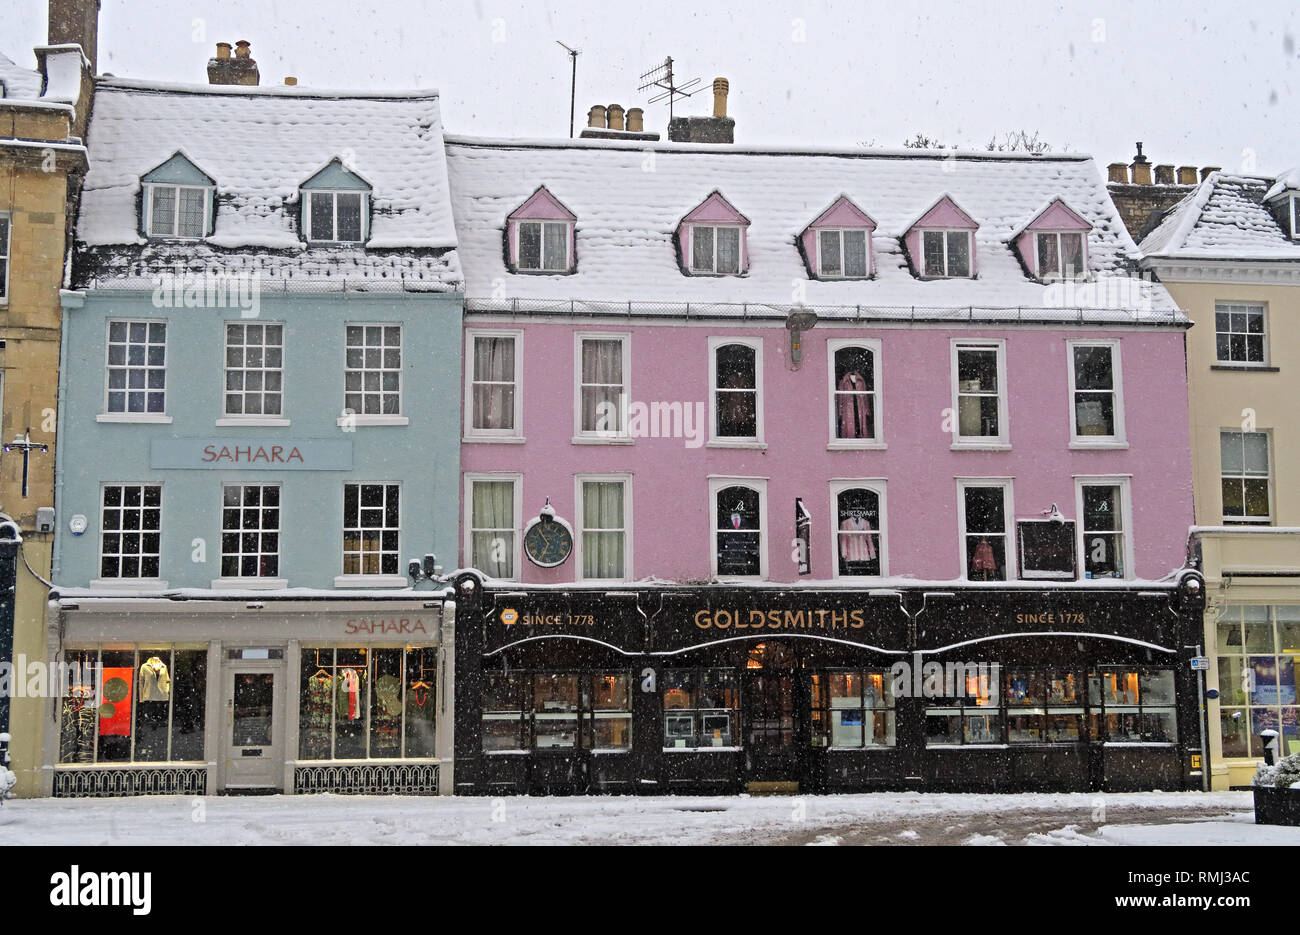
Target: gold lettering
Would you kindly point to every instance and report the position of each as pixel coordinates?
(856, 617)
(706, 622)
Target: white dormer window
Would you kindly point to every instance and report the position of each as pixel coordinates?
(946, 254)
(842, 254)
(544, 245)
(1060, 254)
(177, 200)
(336, 217)
(715, 250)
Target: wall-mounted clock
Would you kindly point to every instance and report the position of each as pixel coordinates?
(548, 539)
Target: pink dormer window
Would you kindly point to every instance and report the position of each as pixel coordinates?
(941, 242)
(1054, 245)
(837, 244)
(711, 239)
(540, 235)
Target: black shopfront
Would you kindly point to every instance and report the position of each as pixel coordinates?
(723, 689)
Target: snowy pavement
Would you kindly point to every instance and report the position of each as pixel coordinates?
(1177, 818)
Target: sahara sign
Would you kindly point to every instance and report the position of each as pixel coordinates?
(278, 454)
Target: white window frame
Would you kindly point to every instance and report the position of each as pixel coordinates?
(1002, 441)
(1008, 524)
(1295, 217)
(878, 395)
(236, 418)
(581, 437)
(1126, 520)
(713, 270)
(580, 527)
(253, 581)
(758, 484)
(1057, 275)
(876, 485)
(375, 418)
(153, 417)
(119, 581)
(866, 247)
(311, 193)
(364, 580)
(1250, 306)
(5, 251)
(509, 436)
(151, 187)
(1272, 472)
(541, 255)
(715, 441)
(467, 536)
(948, 232)
(1119, 439)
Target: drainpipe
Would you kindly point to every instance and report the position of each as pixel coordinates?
(67, 300)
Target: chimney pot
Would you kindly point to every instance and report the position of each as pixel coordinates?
(1141, 172)
(615, 116)
(1206, 170)
(596, 116)
(1117, 172)
(243, 49)
(1139, 157)
(1187, 175)
(635, 120)
(223, 50)
(291, 81)
(1164, 175)
(720, 88)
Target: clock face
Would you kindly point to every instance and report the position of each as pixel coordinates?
(548, 544)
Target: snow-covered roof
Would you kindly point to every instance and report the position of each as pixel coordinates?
(629, 199)
(1225, 217)
(260, 145)
(19, 82)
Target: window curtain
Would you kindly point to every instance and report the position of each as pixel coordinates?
(492, 524)
(602, 382)
(557, 246)
(164, 209)
(602, 530)
(728, 250)
(494, 390)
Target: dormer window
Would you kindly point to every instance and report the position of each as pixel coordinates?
(336, 206)
(837, 244)
(711, 239)
(177, 201)
(1295, 217)
(945, 254)
(941, 242)
(1054, 245)
(539, 235)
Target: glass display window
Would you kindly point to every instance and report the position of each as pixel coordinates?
(1257, 647)
(1132, 706)
(853, 709)
(701, 708)
(557, 711)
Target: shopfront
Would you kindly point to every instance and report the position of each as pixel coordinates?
(725, 688)
(233, 694)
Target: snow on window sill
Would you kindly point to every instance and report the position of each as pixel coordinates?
(129, 584)
(852, 444)
(603, 440)
(370, 581)
(156, 418)
(752, 443)
(493, 439)
(250, 584)
(980, 446)
(371, 420)
(253, 421)
(1083, 443)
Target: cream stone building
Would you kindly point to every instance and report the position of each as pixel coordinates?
(1229, 253)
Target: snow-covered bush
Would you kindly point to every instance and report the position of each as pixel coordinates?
(1283, 775)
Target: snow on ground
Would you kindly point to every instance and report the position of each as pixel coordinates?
(1178, 818)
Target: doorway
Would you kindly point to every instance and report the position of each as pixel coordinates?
(253, 738)
(772, 718)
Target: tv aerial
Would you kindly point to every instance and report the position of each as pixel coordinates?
(573, 81)
(661, 76)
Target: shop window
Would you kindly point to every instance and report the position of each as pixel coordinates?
(1043, 706)
(250, 531)
(130, 531)
(371, 522)
(494, 404)
(1246, 479)
(736, 371)
(557, 711)
(1096, 411)
(853, 709)
(1105, 538)
(984, 524)
(604, 536)
(738, 531)
(367, 703)
(492, 526)
(854, 400)
(1132, 706)
(137, 368)
(1257, 646)
(254, 370)
(859, 547)
(979, 395)
(601, 386)
(701, 708)
(971, 715)
(1240, 334)
(1046, 549)
(142, 705)
(372, 375)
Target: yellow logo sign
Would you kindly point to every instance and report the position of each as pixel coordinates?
(509, 616)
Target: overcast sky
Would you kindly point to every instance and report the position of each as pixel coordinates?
(1201, 83)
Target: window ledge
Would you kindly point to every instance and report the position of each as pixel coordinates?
(845, 444)
(1246, 368)
(725, 443)
(371, 420)
(129, 584)
(155, 418)
(370, 581)
(492, 439)
(255, 421)
(980, 446)
(1079, 444)
(249, 584)
(600, 440)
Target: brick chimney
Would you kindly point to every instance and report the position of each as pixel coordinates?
(238, 70)
(75, 21)
(1141, 167)
(716, 129)
(1141, 200)
(613, 123)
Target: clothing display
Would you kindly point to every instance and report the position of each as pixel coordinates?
(317, 712)
(853, 407)
(857, 539)
(983, 559)
(77, 726)
(350, 694)
(155, 682)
